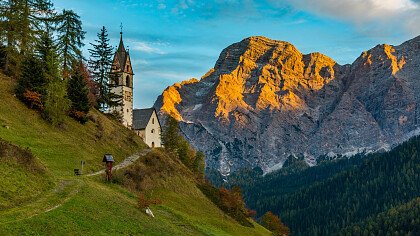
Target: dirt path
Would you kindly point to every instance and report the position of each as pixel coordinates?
(55, 198)
(126, 162)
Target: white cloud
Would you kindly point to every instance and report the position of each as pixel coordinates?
(137, 62)
(145, 47)
(380, 13)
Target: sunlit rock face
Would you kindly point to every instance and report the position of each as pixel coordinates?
(264, 101)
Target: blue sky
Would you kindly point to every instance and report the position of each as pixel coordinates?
(175, 40)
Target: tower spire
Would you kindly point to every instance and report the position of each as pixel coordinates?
(121, 45)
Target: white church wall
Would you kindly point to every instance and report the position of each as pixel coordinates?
(153, 132)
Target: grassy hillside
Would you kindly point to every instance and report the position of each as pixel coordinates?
(49, 200)
(22, 176)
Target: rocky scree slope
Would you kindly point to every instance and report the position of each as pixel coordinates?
(264, 101)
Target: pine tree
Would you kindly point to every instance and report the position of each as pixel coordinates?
(170, 135)
(78, 92)
(100, 64)
(70, 37)
(56, 103)
(31, 83)
(199, 164)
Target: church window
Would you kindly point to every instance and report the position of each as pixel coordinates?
(128, 67)
(127, 81)
(153, 131)
(153, 121)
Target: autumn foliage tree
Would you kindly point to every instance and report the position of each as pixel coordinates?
(274, 224)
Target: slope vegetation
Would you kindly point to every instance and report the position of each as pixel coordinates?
(43, 197)
(358, 191)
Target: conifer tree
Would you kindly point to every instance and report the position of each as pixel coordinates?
(70, 37)
(100, 63)
(78, 92)
(199, 164)
(21, 27)
(55, 102)
(170, 135)
(31, 83)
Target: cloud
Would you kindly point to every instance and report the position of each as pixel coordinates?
(145, 47)
(378, 15)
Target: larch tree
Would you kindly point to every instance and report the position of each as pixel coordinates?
(69, 40)
(21, 27)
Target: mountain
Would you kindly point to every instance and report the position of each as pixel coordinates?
(264, 101)
(40, 195)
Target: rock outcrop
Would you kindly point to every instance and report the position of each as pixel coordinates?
(264, 101)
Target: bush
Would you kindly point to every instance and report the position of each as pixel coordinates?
(230, 202)
(143, 202)
(33, 100)
(274, 224)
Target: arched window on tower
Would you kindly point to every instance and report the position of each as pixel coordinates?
(127, 81)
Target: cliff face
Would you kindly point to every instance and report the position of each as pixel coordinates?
(264, 101)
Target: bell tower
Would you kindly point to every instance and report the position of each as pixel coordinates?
(121, 68)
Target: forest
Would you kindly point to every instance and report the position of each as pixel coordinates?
(366, 194)
(41, 48)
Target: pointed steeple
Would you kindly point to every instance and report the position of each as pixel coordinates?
(121, 47)
(121, 55)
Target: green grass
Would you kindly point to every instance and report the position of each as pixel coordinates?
(62, 148)
(55, 202)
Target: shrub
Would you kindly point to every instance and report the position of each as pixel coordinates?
(79, 116)
(274, 224)
(144, 202)
(33, 100)
(229, 201)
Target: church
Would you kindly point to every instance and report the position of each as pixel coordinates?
(144, 122)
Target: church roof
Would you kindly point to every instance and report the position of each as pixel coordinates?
(141, 117)
(121, 54)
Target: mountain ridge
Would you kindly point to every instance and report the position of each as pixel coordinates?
(264, 100)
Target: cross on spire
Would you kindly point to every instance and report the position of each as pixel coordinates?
(121, 27)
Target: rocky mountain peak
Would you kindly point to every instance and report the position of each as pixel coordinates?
(264, 101)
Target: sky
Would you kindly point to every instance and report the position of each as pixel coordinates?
(175, 40)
